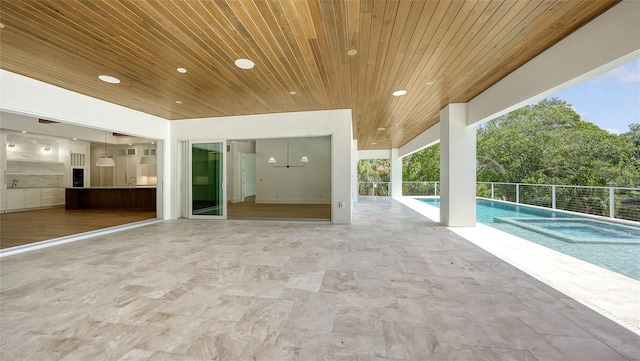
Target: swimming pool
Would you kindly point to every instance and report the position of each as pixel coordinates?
(610, 245)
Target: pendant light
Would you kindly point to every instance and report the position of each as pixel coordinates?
(105, 161)
(304, 160)
(148, 159)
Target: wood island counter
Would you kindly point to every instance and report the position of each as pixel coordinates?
(137, 198)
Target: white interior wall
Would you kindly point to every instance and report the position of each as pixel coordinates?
(310, 184)
(336, 123)
(248, 174)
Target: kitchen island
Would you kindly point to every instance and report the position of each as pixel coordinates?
(130, 197)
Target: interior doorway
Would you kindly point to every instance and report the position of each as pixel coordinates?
(281, 178)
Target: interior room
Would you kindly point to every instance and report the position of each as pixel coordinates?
(279, 178)
(55, 187)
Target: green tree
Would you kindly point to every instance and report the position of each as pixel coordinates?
(423, 165)
(372, 171)
(633, 135)
(549, 143)
(542, 143)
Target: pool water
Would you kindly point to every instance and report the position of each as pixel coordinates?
(610, 245)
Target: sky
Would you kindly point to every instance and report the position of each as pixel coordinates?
(610, 101)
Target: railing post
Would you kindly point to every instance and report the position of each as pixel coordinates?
(492, 194)
(517, 192)
(435, 188)
(553, 196)
(612, 203)
(373, 189)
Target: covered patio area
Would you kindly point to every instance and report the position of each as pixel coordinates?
(393, 285)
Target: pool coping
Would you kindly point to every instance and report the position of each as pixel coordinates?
(613, 295)
(525, 222)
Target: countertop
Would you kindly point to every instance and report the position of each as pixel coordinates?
(115, 187)
(35, 188)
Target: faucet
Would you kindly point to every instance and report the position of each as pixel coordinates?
(15, 183)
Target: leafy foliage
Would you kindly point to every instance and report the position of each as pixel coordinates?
(371, 171)
(423, 165)
(374, 170)
(544, 143)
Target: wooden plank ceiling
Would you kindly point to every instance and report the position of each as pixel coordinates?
(439, 51)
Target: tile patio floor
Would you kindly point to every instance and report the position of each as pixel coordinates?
(391, 286)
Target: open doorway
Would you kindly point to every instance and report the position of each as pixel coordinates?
(279, 178)
(56, 187)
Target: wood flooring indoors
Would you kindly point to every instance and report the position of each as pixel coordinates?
(19, 228)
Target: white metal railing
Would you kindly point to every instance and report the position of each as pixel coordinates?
(613, 202)
(378, 189)
(428, 188)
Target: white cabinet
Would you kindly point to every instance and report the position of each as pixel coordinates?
(53, 197)
(15, 199)
(24, 198)
(32, 198)
(3, 199)
(126, 170)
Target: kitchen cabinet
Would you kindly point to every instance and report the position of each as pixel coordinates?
(34, 198)
(138, 198)
(3, 199)
(24, 198)
(52, 197)
(126, 170)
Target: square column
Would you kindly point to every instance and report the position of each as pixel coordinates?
(396, 174)
(457, 167)
(354, 171)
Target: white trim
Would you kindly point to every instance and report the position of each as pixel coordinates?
(374, 154)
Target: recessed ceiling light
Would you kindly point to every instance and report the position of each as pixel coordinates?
(75, 138)
(430, 83)
(178, 102)
(374, 143)
(244, 63)
(181, 70)
(109, 79)
(352, 52)
(129, 143)
(292, 93)
(1, 26)
(399, 93)
(382, 128)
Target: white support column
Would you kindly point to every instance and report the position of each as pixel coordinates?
(354, 171)
(457, 167)
(396, 174)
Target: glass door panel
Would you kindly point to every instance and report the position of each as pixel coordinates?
(207, 180)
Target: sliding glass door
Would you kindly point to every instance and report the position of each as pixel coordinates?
(207, 179)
